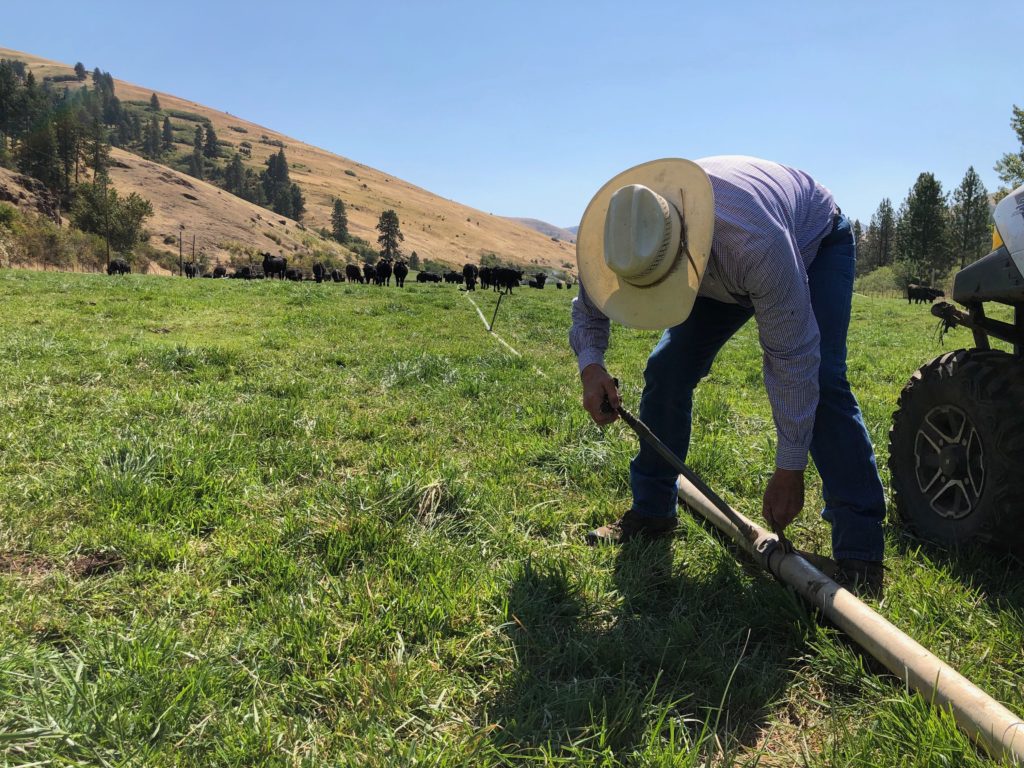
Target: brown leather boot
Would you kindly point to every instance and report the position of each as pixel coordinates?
(632, 526)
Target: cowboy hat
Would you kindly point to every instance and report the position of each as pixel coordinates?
(644, 242)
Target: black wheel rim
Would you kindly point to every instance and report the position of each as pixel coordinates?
(950, 462)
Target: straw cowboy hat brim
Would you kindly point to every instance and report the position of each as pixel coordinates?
(686, 189)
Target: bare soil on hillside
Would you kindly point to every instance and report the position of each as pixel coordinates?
(434, 227)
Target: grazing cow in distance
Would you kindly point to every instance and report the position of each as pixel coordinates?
(384, 272)
(922, 293)
(336, 276)
(274, 266)
(220, 271)
(427, 277)
(539, 280)
(293, 274)
(352, 273)
(118, 267)
(401, 270)
(505, 278)
(369, 273)
(245, 273)
(486, 274)
(451, 276)
(319, 270)
(470, 274)
(191, 269)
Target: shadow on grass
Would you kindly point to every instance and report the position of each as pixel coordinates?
(997, 576)
(687, 654)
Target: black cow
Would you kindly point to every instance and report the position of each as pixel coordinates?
(427, 277)
(118, 267)
(470, 274)
(384, 272)
(245, 273)
(191, 269)
(451, 276)
(369, 273)
(336, 276)
(293, 274)
(274, 266)
(922, 293)
(539, 280)
(319, 270)
(486, 274)
(220, 271)
(400, 270)
(505, 278)
(352, 273)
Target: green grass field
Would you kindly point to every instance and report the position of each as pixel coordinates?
(288, 524)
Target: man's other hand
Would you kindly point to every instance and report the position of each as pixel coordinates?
(598, 384)
(783, 498)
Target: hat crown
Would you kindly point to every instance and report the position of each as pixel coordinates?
(641, 235)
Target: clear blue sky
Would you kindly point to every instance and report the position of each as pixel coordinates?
(526, 108)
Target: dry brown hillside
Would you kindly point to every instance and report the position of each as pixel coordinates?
(434, 227)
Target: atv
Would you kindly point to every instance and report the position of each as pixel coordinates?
(956, 445)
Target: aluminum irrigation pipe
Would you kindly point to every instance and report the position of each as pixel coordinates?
(984, 719)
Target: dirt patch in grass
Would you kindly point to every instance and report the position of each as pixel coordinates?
(96, 564)
(24, 564)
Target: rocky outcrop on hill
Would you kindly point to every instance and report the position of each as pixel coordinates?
(30, 194)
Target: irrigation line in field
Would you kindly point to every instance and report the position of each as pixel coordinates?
(507, 346)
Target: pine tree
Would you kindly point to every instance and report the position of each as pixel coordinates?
(97, 148)
(414, 260)
(80, 71)
(68, 131)
(921, 235)
(277, 184)
(234, 176)
(9, 98)
(211, 149)
(969, 219)
(167, 137)
(154, 103)
(390, 235)
(298, 202)
(38, 157)
(879, 239)
(339, 222)
(152, 146)
(1011, 165)
(196, 163)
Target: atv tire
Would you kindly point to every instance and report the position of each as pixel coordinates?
(956, 450)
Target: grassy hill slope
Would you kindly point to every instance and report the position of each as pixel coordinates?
(434, 227)
(287, 524)
(549, 230)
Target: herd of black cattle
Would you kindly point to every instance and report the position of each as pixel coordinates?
(498, 278)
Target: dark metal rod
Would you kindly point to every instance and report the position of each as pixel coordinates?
(644, 433)
(495, 315)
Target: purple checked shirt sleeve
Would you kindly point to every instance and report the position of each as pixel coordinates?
(590, 331)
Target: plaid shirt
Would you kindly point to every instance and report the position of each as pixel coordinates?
(769, 222)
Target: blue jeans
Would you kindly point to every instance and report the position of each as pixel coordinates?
(840, 446)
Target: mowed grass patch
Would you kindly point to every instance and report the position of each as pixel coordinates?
(291, 524)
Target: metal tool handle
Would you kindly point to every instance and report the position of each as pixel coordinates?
(644, 433)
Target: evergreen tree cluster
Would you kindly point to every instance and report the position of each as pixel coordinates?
(271, 188)
(54, 134)
(63, 139)
(931, 231)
